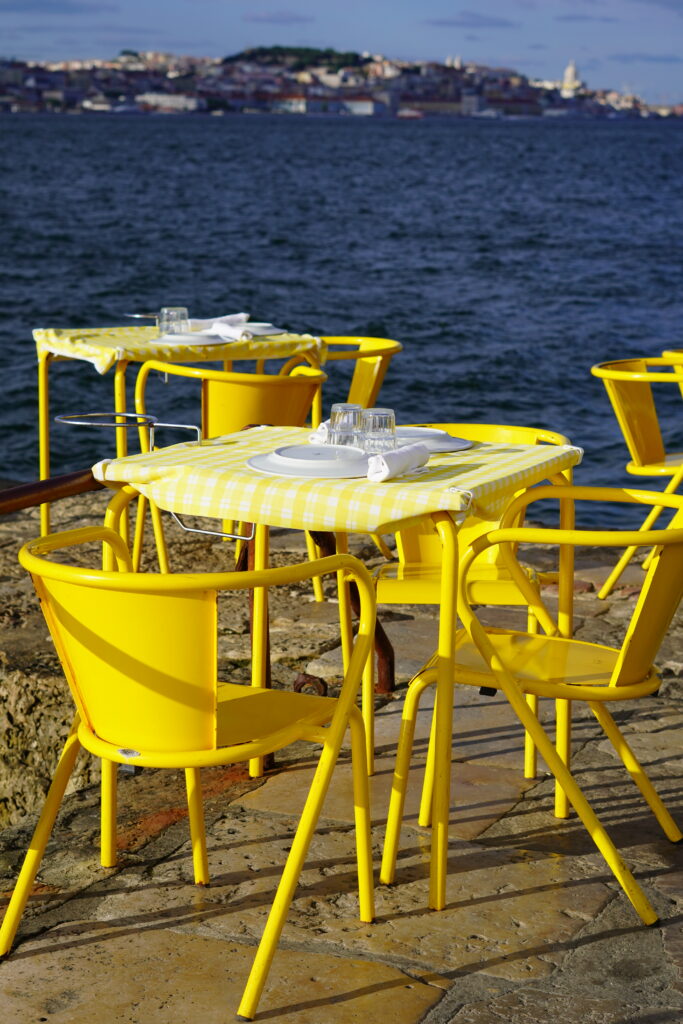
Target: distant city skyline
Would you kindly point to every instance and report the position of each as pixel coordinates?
(629, 45)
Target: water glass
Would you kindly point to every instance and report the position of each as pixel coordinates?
(346, 424)
(174, 320)
(379, 430)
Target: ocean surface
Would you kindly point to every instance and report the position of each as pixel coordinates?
(507, 257)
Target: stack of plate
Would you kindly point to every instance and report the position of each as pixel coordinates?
(434, 439)
(333, 461)
(337, 462)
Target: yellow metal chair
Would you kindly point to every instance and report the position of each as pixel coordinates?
(523, 663)
(230, 402)
(415, 577)
(628, 383)
(372, 357)
(139, 654)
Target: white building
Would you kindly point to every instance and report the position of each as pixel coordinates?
(571, 83)
(177, 103)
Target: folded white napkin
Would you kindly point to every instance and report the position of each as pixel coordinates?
(228, 318)
(321, 434)
(400, 460)
(234, 327)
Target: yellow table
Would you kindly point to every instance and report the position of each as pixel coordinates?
(115, 347)
(211, 478)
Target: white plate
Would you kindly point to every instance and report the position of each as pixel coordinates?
(191, 339)
(256, 327)
(334, 462)
(433, 438)
(254, 330)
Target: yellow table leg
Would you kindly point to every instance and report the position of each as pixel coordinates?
(565, 622)
(44, 360)
(443, 711)
(121, 432)
(259, 639)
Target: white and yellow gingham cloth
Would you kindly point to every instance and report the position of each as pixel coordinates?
(212, 478)
(105, 346)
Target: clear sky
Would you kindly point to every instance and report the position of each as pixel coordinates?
(633, 45)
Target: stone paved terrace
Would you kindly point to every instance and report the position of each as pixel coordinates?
(535, 928)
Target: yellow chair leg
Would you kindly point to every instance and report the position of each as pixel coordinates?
(584, 810)
(609, 584)
(108, 804)
(530, 754)
(139, 535)
(424, 814)
(399, 783)
(628, 554)
(313, 553)
(288, 882)
(31, 865)
(344, 597)
(637, 772)
(563, 745)
(361, 804)
(368, 704)
(229, 526)
(195, 806)
(159, 537)
(382, 546)
(424, 817)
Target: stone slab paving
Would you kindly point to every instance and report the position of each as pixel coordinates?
(154, 975)
(525, 894)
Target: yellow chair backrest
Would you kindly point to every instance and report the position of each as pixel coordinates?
(675, 357)
(421, 543)
(138, 650)
(658, 600)
(231, 401)
(372, 357)
(243, 398)
(630, 393)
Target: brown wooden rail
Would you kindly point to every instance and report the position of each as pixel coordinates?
(13, 499)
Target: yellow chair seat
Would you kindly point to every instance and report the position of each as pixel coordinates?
(671, 462)
(425, 582)
(547, 665)
(245, 714)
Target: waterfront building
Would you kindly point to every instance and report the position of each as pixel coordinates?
(571, 83)
(169, 103)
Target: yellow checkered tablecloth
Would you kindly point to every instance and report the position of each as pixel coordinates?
(212, 478)
(105, 346)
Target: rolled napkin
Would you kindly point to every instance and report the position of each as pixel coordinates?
(321, 433)
(394, 463)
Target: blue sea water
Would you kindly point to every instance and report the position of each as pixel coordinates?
(507, 257)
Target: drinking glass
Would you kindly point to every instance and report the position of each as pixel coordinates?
(174, 320)
(346, 424)
(379, 430)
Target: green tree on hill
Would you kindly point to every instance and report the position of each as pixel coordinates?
(296, 58)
